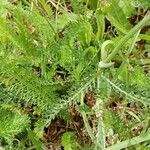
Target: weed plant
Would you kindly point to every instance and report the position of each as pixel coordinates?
(52, 53)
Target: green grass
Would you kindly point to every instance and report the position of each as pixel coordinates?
(74, 74)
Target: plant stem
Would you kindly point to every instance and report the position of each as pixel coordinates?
(130, 142)
(87, 126)
(100, 136)
(85, 120)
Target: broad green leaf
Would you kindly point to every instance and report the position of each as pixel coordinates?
(116, 16)
(100, 25)
(85, 36)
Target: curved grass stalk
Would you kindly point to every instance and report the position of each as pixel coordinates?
(134, 30)
(133, 42)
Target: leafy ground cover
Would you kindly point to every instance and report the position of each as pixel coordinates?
(74, 75)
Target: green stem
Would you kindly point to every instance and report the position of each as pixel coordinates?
(100, 136)
(85, 120)
(130, 142)
(140, 25)
(87, 126)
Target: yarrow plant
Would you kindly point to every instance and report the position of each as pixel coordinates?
(74, 74)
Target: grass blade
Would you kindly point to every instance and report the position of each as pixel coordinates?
(130, 142)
